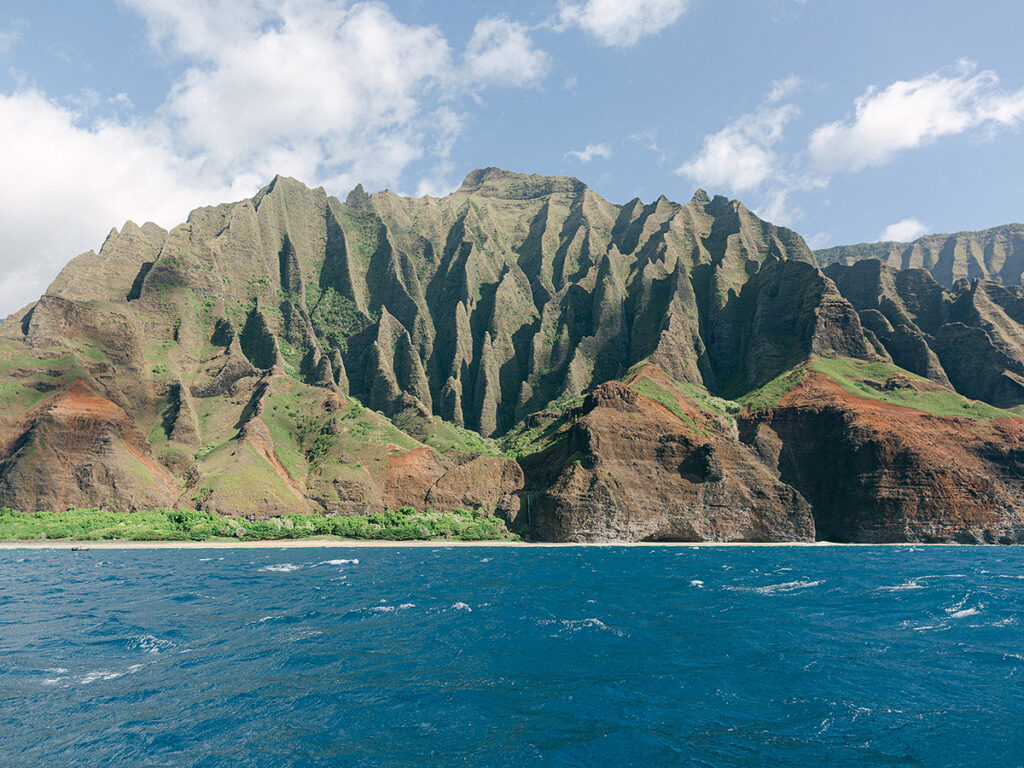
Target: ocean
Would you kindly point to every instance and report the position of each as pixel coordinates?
(490, 656)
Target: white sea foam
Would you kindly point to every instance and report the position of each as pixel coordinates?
(406, 606)
(383, 608)
(906, 585)
(106, 674)
(460, 606)
(281, 568)
(774, 589)
(148, 644)
(696, 583)
(576, 625)
(339, 562)
(965, 612)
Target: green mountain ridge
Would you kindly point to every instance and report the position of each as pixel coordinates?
(995, 254)
(295, 353)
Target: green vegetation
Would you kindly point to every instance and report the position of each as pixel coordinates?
(444, 437)
(191, 525)
(868, 380)
(884, 382)
(768, 395)
(654, 391)
(335, 317)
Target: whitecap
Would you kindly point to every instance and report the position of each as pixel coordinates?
(965, 612)
(696, 583)
(406, 606)
(460, 606)
(339, 562)
(281, 568)
(99, 674)
(576, 625)
(909, 584)
(383, 608)
(773, 589)
(148, 644)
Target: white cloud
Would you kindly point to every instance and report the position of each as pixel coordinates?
(330, 92)
(621, 23)
(588, 153)
(785, 88)
(315, 87)
(67, 184)
(501, 52)
(740, 156)
(903, 231)
(913, 113)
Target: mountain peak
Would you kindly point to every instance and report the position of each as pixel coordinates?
(508, 185)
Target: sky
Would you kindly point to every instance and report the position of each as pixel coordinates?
(847, 121)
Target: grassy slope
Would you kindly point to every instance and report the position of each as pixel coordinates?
(857, 378)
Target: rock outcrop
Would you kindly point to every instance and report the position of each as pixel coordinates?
(629, 468)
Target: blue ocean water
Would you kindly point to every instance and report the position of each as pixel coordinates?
(569, 656)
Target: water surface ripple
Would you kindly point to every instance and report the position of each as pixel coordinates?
(784, 656)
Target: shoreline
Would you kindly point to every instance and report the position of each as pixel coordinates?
(321, 543)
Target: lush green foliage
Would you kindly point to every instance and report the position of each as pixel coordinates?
(768, 396)
(867, 380)
(191, 525)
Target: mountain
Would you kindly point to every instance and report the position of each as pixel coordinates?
(995, 254)
(586, 370)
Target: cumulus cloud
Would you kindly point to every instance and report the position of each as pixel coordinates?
(589, 152)
(501, 52)
(903, 231)
(333, 93)
(913, 113)
(315, 86)
(740, 156)
(68, 183)
(621, 23)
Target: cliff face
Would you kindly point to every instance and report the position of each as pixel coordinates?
(995, 254)
(970, 338)
(521, 345)
(628, 467)
(878, 472)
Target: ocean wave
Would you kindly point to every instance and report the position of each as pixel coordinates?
(353, 561)
(148, 644)
(775, 589)
(964, 613)
(906, 585)
(460, 606)
(696, 583)
(281, 568)
(577, 625)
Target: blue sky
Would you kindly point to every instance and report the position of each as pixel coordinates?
(848, 121)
